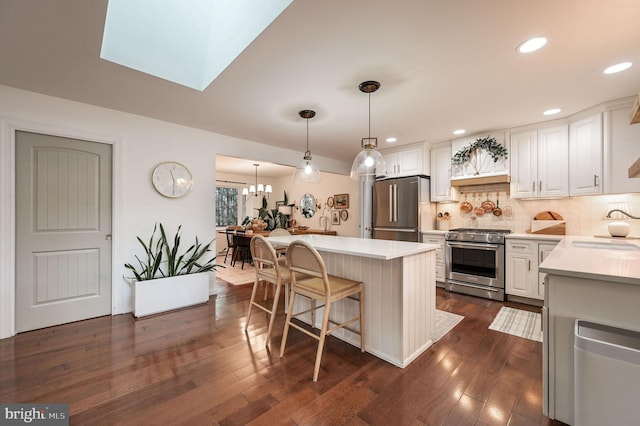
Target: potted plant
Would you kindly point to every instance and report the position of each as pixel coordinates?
(268, 219)
(167, 279)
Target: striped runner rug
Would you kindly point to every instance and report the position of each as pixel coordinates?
(518, 323)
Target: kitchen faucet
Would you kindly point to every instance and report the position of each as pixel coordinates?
(621, 211)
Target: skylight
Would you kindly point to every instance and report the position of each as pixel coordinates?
(189, 42)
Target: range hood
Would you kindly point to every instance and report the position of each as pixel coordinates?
(483, 179)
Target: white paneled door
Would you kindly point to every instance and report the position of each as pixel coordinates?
(63, 230)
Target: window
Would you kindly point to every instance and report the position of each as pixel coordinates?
(229, 206)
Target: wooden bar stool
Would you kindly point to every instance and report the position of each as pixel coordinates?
(317, 285)
(265, 261)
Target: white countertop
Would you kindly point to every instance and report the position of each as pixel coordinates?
(543, 237)
(434, 232)
(594, 263)
(364, 247)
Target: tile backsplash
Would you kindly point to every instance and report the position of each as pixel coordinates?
(583, 215)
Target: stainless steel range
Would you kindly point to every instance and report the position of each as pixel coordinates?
(475, 262)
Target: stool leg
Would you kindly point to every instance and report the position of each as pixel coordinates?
(323, 335)
(292, 298)
(272, 315)
(253, 297)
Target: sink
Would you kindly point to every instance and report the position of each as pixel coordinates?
(606, 246)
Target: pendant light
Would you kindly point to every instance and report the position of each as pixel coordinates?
(306, 171)
(369, 162)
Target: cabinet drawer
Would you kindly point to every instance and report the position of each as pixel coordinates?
(520, 247)
(438, 241)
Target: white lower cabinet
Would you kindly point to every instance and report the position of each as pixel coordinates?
(437, 238)
(522, 258)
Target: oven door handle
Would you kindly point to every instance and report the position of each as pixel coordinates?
(486, 288)
(479, 246)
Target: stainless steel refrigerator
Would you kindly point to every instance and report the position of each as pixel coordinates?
(402, 209)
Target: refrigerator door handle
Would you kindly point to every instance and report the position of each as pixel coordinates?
(390, 203)
(395, 202)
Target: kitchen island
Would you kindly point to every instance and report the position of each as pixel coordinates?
(592, 279)
(399, 291)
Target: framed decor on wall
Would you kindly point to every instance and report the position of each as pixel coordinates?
(335, 217)
(341, 201)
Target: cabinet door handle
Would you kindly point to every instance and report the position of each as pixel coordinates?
(540, 186)
(520, 247)
(596, 180)
(533, 186)
(529, 264)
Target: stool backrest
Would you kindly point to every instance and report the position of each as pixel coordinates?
(263, 252)
(303, 258)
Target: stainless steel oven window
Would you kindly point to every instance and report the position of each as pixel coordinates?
(469, 270)
(474, 261)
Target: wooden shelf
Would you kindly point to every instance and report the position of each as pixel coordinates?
(480, 180)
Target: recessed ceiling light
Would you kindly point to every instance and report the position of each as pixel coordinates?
(459, 132)
(391, 140)
(532, 44)
(618, 67)
(552, 111)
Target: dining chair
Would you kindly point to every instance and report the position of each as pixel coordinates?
(241, 248)
(268, 269)
(318, 285)
(230, 245)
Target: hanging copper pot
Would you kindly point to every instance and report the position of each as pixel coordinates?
(497, 211)
(488, 205)
(466, 207)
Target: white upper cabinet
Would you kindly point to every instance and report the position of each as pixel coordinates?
(622, 148)
(441, 190)
(404, 162)
(539, 163)
(585, 156)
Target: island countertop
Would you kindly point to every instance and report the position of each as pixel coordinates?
(364, 247)
(591, 259)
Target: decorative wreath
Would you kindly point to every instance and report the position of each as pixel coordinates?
(489, 144)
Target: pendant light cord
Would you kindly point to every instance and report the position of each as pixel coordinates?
(307, 135)
(369, 115)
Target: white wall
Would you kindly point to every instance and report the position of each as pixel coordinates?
(139, 143)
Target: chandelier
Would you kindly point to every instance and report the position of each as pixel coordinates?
(257, 189)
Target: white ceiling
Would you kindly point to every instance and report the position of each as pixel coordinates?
(443, 65)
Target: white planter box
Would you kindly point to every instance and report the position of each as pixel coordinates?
(165, 294)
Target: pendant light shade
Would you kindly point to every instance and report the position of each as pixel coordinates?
(306, 171)
(369, 162)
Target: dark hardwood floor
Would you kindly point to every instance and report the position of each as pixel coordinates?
(197, 366)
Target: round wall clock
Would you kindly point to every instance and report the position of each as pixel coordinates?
(172, 179)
